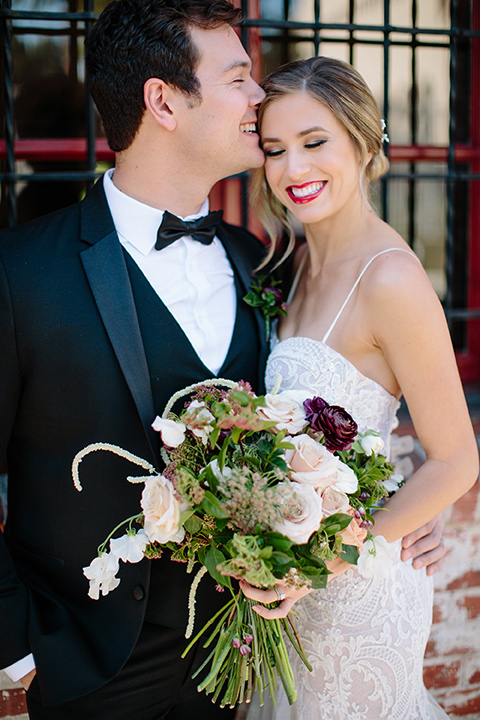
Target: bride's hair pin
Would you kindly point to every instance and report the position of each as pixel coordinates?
(385, 138)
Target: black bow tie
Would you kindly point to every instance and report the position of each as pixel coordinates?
(172, 228)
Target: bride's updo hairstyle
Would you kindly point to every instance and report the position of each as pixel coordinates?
(344, 92)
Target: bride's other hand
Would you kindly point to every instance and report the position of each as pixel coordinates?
(337, 567)
(426, 546)
(271, 596)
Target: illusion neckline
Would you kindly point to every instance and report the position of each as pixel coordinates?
(335, 352)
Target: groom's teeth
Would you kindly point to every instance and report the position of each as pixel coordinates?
(248, 128)
(307, 189)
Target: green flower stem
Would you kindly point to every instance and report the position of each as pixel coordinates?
(295, 640)
(224, 647)
(221, 682)
(219, 625)
(282, 663)
(102, 548)
(207, 625)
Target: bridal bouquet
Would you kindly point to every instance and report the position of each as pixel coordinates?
(256, 488)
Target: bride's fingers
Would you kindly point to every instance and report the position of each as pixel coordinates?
(275, 613)
(263, 596)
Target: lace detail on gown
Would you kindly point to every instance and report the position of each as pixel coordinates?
(364, 638)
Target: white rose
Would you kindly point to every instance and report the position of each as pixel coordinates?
(311, 462)
(162, 511)
(285, 411)
(301, 510)
(129, 547)
(376, 558)
(372, 444)
(172, 432)
(101, 573)
(347, 481)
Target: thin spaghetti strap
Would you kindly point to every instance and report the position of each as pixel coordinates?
(325, 337)
(297, 277)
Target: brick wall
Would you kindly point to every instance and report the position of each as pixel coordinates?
(452, 662)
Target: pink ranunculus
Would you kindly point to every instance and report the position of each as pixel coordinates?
(353, 533)
(282, 409)
(311, 462)
(334, 501)
(162, 511)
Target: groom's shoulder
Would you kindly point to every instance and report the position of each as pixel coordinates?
(41, 231)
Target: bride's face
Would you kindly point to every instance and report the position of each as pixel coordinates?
(312, 165)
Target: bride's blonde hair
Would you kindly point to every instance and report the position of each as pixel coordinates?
(344, 92)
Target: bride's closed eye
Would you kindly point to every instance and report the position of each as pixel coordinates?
(315, 143)
(276, 152)
(273, 153)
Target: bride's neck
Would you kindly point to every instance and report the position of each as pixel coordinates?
(336, 239)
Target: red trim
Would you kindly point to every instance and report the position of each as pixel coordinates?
(75, 149)
(472, 372)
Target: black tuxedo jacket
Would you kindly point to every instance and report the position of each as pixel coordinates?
(73, 372)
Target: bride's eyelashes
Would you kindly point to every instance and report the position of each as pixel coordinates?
(309, 146)
(315, 143)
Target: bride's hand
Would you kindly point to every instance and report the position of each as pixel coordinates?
(289, 598)
(337, 567)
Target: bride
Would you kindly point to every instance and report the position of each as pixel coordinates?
(364, 327)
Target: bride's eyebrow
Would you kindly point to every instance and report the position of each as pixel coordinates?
(302, 133)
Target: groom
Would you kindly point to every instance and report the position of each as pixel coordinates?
(106, 309)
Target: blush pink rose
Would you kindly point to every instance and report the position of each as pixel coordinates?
(282, 409)
(311, 463)
(334, 501)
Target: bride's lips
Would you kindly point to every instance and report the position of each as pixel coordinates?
(301, 194)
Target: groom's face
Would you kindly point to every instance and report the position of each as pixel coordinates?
(220, 132)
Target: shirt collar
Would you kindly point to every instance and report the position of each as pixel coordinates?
(136, 222)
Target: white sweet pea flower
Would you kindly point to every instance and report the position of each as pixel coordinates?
(221, 475)
(162, 511)
(285, 411)
(172, 432)
(310, 462)
(393, 482)
(372, 444)
(101, 573)
(129, 547)
(376, 558)
(347, 481)
(301, 512)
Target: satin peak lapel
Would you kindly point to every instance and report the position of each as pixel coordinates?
(107, 274)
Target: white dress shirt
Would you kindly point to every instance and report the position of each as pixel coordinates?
(194, 281)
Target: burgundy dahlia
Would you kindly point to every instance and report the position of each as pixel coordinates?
(338, 427)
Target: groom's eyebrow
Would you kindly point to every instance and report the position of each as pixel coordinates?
(238, 64)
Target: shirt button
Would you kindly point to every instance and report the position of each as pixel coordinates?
(138, 592)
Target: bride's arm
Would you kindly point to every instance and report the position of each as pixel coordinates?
(408, 325)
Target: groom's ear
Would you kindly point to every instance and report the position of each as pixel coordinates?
(159, 98)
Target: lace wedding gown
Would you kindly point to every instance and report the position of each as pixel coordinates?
(364, 638)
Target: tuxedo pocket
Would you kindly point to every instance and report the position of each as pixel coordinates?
(19, 549)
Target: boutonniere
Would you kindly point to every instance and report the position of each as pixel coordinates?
(268, 298)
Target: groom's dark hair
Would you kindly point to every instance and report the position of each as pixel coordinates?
(134, 40)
